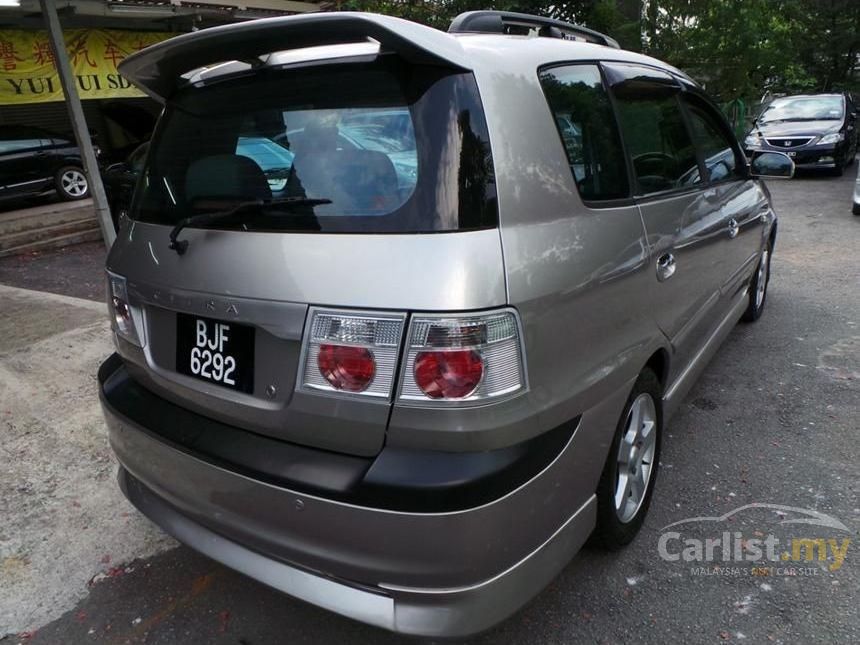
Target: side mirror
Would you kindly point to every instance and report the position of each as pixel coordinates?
(772, 164)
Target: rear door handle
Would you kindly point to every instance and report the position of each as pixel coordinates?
(665, 267)
(733, 228)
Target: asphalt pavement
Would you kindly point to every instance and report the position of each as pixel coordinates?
(772, 423)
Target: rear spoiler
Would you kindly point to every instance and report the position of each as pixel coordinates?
(158, 70)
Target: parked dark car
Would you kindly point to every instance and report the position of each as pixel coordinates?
(119, 180)
(35, 162)
(816, 130)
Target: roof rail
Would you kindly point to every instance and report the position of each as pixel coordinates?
(508, 22)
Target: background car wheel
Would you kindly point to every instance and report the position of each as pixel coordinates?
(758, 287)
(627, 482)
(71, 183)
(856, 209)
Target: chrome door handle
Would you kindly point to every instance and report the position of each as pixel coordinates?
(665, 267)
(733, 228)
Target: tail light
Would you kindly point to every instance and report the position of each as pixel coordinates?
(351, 353)
(346, 368)
(122, 312)
(449, 374)
(463, 358)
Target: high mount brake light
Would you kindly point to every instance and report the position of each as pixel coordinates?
(468, 358)
(351, 353)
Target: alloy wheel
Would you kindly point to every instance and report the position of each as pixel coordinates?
(761, 279)
(74, 183)
(635, 461)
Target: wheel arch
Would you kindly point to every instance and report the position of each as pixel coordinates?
(658, 363)
(771, 236)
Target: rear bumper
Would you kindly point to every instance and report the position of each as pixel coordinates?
(447, 573)
(421, 612)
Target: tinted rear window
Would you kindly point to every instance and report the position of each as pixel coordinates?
(583, 116)
(395, 148)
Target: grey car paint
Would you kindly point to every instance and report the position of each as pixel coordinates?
(593, 313)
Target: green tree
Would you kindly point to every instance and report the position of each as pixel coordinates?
(736, 48)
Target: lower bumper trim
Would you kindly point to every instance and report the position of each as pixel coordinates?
(453, 612)
(375, 609)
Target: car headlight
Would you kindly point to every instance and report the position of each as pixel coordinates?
(752, 141)
(833, 137)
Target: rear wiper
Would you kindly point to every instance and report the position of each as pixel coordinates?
(180, 246)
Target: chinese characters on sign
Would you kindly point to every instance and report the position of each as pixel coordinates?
(28, 71)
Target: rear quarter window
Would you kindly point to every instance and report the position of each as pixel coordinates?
(583, 116)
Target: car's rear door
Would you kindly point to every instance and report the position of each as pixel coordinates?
(682, 219)
(309, 241)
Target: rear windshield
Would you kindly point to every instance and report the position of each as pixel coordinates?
(389, 147)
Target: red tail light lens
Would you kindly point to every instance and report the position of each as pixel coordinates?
(462, 359)
(453, 374)
(350, 369)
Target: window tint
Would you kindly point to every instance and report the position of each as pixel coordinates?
(379, 140)
(656, 137)
(13, 140)
(136, 158)
(714, 146)
(583, 116)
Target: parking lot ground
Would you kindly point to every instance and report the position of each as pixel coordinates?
(773, 420)
(72, 270)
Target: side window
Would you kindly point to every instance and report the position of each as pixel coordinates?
(136, 158)
(714, 146)
(20, 139)
(586, 125)
(656, 136)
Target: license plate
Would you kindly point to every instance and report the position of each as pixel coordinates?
(215, 351)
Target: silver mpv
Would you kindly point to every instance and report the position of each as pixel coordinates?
(400, 315)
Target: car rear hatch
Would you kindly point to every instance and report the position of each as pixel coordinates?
(335, 173)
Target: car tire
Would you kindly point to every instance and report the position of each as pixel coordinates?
(838, 170)
(636, 449)
(71, 183)
(856, 209)
(758, 287)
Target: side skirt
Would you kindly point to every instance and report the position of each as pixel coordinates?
(685, 380)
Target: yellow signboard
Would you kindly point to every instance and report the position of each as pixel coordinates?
(28, 73)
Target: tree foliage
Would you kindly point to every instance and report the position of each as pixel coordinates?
(737, 48)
